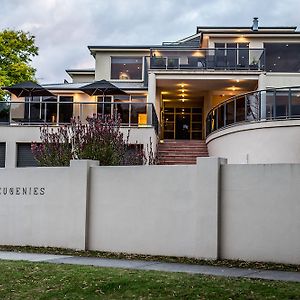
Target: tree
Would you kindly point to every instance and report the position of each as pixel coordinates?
(17, 48)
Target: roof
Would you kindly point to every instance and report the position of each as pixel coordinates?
(77, 86)
(80, 70)
(242, 28)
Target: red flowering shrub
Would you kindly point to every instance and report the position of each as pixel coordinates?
(99, 139)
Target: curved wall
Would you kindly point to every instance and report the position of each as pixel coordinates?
(257, 143)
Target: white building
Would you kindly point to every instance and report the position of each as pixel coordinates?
(237, 88)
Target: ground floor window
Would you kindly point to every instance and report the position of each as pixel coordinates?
(2, 155)
(25, 157)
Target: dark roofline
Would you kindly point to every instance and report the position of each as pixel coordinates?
(80, 70)
(139, 47)
(252, 32)
(245, 27)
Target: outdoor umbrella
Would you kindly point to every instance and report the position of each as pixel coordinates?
(102, 87)
(27, 89)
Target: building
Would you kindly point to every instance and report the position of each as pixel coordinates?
(237, 88)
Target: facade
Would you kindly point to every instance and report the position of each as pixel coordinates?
(238, 88)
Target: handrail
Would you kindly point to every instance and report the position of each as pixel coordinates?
(56, 112)
(255, 109)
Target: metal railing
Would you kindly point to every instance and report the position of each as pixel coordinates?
(209, 58)
(132, 114)
(262, 105)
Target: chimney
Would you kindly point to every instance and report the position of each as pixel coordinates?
(255, 24)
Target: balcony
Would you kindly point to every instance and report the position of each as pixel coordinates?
(132, 114)
(258, 106)
(249, 59)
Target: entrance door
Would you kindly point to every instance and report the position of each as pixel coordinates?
(183, 127)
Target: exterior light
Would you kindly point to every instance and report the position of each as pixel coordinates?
(237, 80)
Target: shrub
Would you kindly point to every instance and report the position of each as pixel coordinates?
(99, 139)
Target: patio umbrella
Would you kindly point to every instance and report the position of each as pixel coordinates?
(102, 88)
(27, 89)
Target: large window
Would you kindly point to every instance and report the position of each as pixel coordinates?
(232, 55)
(282, 57)
(127, 68)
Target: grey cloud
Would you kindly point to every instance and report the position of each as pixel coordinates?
(63, 29)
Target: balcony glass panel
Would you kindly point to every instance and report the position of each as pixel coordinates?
(17, 111)
(4, 112)
(282, 57)
(282, 104)
(104, 107)
(138, 114)
(85, 110)
(221, 119)
(270, 105)
(65, 109)
(229, 113)
(295, 104)
(240, 109)
(252, 109)
(49, 109)
(121, 107)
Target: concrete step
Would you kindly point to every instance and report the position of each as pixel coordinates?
(179, 152)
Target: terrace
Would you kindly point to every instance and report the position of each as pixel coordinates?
(56, 111)
(209, 58)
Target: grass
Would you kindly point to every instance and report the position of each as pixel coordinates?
(221, 262)
(24, 280)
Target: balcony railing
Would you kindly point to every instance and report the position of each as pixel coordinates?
(257, 106)
(213, 58)
(132, 114)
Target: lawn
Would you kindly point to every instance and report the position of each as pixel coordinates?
(24, 280)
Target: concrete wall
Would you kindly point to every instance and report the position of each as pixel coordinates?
(257, 143)
(209, 210)
(260, 212)
(158, 210)
(42, 216)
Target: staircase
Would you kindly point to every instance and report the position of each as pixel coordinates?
(181, 152)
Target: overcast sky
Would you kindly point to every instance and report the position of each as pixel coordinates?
(64, 28)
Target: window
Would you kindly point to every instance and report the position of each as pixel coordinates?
(2, 155)
(127, 68)
(232, 55)
(25, 157)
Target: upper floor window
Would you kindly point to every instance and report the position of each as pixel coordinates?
(236, 54)
(127, 68)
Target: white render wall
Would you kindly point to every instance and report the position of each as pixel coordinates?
(260, 213)
(268, 142)
(209, 210)
(158, 210)
(52, 213)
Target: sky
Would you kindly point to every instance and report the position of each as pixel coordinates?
(64, 28)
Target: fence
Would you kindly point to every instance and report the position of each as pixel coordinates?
(210, 210)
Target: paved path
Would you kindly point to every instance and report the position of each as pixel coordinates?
(152, 265)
